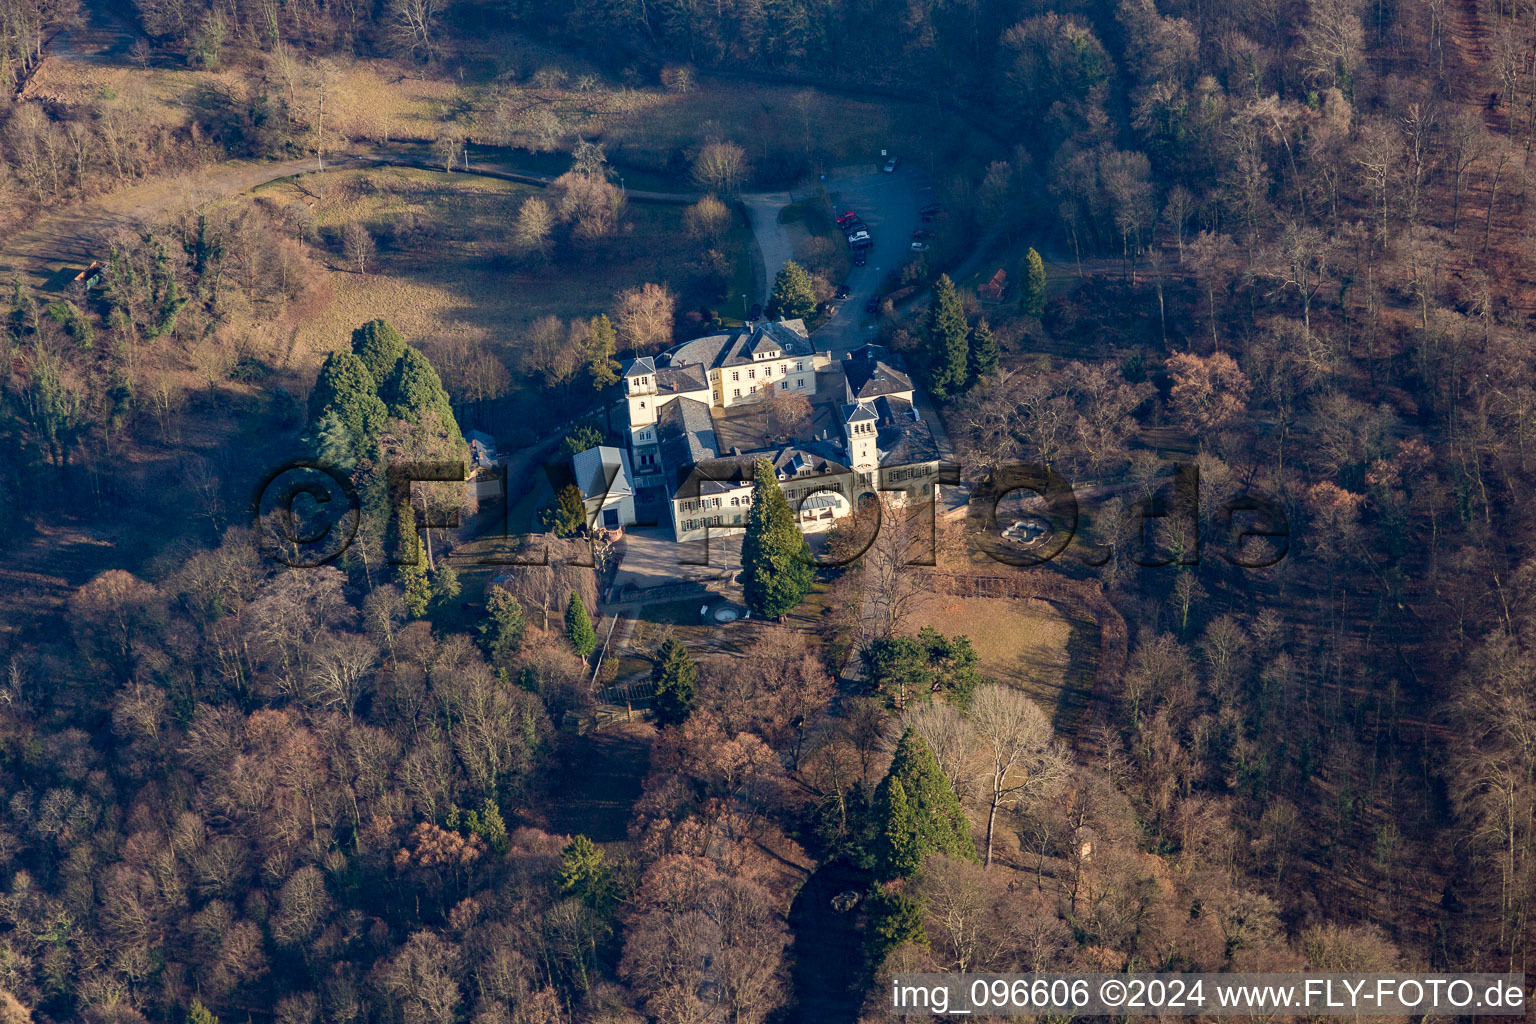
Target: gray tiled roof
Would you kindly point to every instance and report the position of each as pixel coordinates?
(686, 433)
(644, 364)
(872, 371)
(735, 347)
(674, 379)
(903, 438)
(602, 471)
(806, 459)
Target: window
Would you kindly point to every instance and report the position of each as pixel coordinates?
(736, 518)
(735, 502)
(642, 403)
(767, 371)
(799, 365)
(717, 503)
(737, 393)
(751, 375)
(783, 385)
(799, 382)
(735, 375)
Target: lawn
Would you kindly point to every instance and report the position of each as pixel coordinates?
(1024, 643)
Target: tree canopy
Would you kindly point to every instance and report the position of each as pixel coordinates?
(675, 676)
(775, 558)
(578, 626)
(346, 389)
(379, 346)
(793, 295)
(414, 389)
(948, 338)
(917, 812)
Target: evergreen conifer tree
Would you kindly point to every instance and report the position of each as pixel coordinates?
(984, 354)
(566, 516)
(584, 873)
(918, 812)
(379, 346)
(414, 581)
(948, 341)
(578, 626)
(333, 445)
(675, 676)
(200, 1014)
(414, 389)
(775, 559)
(504, 626)
(1032, 297)
(602, 343)
(445, 594)
(894, 918)
(793, 295)
(346, 388)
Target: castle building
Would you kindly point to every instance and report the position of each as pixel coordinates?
(676, 460)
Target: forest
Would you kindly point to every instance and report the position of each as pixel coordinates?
(1285, 243)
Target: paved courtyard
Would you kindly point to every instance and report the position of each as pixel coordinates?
(653, 559)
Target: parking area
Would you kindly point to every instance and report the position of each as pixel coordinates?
(889, 204)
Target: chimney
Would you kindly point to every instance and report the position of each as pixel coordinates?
(735, 449)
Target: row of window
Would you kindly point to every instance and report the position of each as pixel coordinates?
(767, 371)
(699, 524)
(783, 386)
(737, 501)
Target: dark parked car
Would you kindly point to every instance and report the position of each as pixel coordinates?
(860, 257)
(922, 233)
(844, 292)
(873, 305)
(757, 311)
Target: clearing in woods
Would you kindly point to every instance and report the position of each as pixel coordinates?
(1024, 643)
(459, 278)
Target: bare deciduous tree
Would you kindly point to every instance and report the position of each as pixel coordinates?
(1021, 755)
(643, 317)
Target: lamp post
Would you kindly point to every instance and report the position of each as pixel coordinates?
(743, 306)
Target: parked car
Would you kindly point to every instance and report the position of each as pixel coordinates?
(890, 165)
(859, 257)
(845, 217)
(859, 238)
(922, 233)
(844, 292)
(873, 305)
(756, 312)
(857, 224)
(919, 246)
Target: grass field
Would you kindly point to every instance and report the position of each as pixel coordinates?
(1028, 644)
(462, 282)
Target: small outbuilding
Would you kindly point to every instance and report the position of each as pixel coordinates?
(607, 486)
